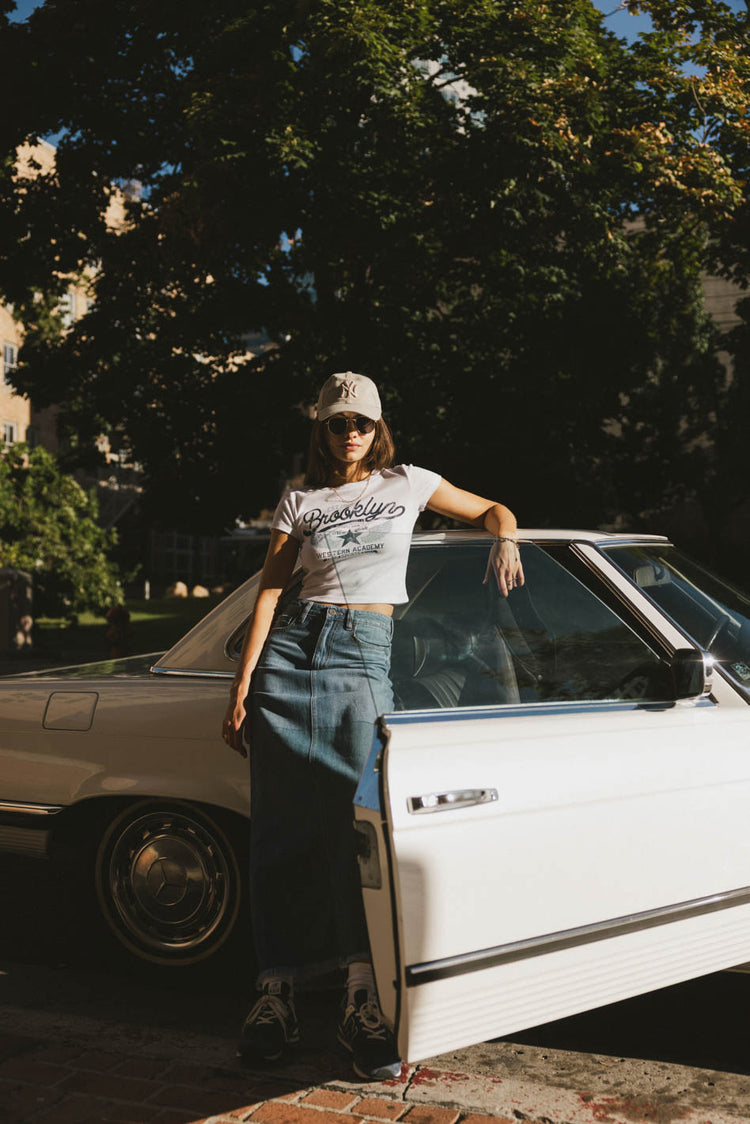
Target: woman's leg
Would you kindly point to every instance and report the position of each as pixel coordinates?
(317, 691)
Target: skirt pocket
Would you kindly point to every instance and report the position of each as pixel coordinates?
(374, 630)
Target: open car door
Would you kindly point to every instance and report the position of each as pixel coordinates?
(522, 867)
(521, 863)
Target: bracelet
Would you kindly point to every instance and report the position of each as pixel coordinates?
(504, 538)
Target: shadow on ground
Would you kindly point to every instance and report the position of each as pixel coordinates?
(698, 1023)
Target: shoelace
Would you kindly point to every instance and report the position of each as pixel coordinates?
(269, 1009)
(371, 1019)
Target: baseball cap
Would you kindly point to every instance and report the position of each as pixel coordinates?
(347, 392)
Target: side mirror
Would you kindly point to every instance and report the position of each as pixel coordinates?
(691, 673)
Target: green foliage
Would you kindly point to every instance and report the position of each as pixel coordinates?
(48, 527)
(154, 626)
(496, 208)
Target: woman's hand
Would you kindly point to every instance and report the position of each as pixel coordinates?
(504, 563)
(504, 560)
(234, 726)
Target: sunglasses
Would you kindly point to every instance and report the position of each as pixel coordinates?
(338, 425)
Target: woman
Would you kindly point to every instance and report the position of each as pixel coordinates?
(313, 678)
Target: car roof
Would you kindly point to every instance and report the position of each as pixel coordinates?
(203, 650)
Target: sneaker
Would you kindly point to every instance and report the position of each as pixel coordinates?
(364, 1034)
(271, 1025)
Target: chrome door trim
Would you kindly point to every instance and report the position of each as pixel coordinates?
(432, 970)
(516, 710)
(201, 674)
(15, 808)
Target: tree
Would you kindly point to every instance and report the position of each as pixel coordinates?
(48, 527)
(494, 207)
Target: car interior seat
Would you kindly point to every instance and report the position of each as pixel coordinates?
(451, 662)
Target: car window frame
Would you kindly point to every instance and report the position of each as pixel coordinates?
(720, 666)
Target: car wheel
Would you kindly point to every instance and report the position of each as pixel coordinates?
(168, 882)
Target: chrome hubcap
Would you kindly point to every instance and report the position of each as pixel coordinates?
(168, 878)
(168, 884)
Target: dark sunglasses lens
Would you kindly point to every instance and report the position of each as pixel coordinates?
(338, 425)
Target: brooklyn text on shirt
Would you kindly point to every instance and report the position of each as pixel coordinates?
(316, 518)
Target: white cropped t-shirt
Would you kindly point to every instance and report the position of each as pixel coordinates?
(354, 539)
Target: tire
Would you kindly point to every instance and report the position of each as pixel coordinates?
(168, 882)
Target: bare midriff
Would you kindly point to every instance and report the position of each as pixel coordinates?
(386, 610)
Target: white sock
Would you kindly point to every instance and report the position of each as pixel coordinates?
(361, 978)
(272, 982)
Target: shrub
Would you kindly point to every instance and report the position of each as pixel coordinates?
(48, 526)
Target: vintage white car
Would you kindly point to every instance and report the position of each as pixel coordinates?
(553, 818)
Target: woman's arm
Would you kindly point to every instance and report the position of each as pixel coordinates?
(277, 570)
(496, 518)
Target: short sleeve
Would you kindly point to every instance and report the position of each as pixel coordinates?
(422, 482)
(285, 515)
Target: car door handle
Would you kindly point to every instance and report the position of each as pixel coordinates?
(445, 801)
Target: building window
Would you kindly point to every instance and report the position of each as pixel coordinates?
(10, 359)
(10, 433)
(67, 308)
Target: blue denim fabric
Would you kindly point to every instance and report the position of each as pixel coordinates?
(321, 681)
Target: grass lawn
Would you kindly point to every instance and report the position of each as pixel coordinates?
(154, 626)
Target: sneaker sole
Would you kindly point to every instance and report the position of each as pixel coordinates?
(380, 1073)
(247, 1052)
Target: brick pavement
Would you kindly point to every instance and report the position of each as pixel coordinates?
(44, 1083)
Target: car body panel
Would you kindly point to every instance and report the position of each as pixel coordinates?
(148, 737)
(578, 836)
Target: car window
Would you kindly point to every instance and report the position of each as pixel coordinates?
(713, 613)
(459, 643)
(233, 646)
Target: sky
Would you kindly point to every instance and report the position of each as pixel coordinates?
(628, 26)
(619, 20)
(24, 8)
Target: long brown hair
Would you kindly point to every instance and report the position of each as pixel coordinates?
(320, 461)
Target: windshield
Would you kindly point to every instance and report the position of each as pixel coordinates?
(715, 614)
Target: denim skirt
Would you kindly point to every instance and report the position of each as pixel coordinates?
(321, 681)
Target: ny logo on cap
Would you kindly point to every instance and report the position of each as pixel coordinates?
(348, 389)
